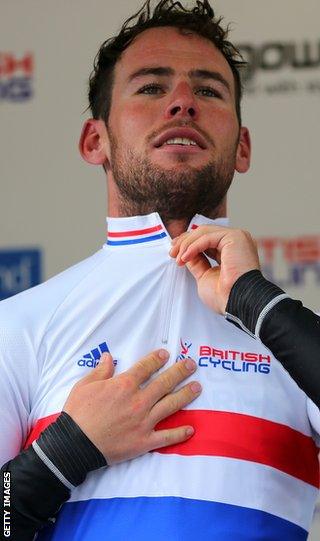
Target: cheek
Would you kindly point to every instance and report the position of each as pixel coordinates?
(224, 127)
(132, 121)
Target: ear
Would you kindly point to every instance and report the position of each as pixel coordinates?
(243, 151)
(94, 142)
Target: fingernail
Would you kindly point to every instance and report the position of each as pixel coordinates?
(196, 387)
(163, 354)
(102, 358)
(190, 364)
(189, 431)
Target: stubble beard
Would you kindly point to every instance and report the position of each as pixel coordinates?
(176, 195)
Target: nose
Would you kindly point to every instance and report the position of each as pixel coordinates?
(182, 103)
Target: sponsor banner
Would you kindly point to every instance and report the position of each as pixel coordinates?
(278, 67)
(19, 270)
(16, 76)
(291, 262)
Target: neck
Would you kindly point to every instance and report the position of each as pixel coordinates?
(177, 227)
(174, 227)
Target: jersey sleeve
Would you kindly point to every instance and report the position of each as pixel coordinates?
(18, 377)
(25, 321)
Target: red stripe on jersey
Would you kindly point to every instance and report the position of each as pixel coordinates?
(40, 425)
(238, 436)
(136, 232)
(244, 437)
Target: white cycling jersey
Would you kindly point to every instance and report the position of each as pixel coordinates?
(250, 472)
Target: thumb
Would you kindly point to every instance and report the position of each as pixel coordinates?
(104, 370)
(105, 366)
(198, 266)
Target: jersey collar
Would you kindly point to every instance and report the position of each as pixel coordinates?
(148, 229)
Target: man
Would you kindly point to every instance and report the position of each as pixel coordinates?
(166, 127)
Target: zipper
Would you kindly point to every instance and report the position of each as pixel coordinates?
(171, 280)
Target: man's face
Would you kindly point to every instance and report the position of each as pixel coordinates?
(173, 129)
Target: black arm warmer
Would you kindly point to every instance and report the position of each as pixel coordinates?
(41, 477)
(287, 328)
(35, 495)
(292, 333)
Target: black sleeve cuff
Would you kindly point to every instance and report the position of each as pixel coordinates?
(68, 452)
(31, 495)
(38, 481)
(250, 300)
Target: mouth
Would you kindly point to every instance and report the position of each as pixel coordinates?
(185, 139)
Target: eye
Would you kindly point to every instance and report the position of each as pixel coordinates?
(209, 92)
(151, 88)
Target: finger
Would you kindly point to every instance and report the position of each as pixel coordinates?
(213, 254)
(104, 370)
(168, 380)
(171, 436)
(142, 370)
(175, 402)
(199, 245)
(198, 266)
(176, 239)
(176, 242)
(184, 242)
(181, 243)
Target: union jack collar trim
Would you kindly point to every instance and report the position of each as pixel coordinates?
(136, 236)
(146, 229)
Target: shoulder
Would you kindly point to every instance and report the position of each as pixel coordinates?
(36, 306)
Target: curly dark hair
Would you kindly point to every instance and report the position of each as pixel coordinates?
(199, 19)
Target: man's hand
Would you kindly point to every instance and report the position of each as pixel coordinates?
(234, 250)
(119, 414)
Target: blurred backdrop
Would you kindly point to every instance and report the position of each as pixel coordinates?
(52, 204)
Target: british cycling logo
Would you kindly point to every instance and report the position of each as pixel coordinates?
(227, 359)
(184, 350)
(91, 359)
(16, 76)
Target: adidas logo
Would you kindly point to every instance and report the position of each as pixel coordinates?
(92, 359)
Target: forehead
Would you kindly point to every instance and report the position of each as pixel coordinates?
(170, 47)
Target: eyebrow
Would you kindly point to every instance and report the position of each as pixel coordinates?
(213, 75)
(193, 74)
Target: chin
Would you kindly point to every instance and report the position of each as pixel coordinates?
(180, 162)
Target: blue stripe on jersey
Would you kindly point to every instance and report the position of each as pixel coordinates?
(166, 519)
(136, 241)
